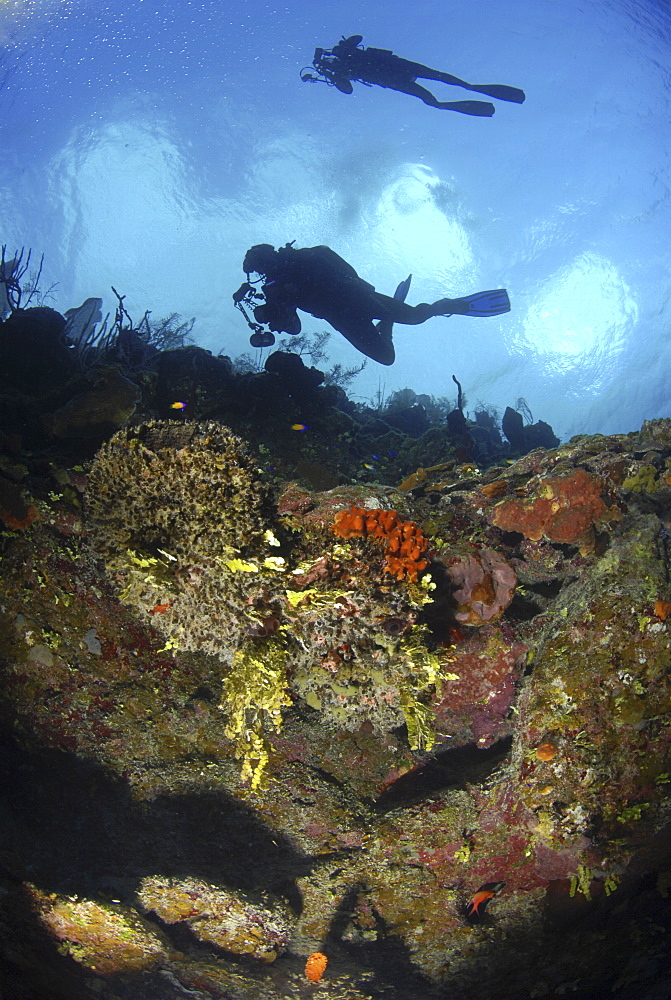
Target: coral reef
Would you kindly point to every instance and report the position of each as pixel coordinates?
(499, 711)
(178, 510)
(184, 524)
(98, 411)
(104, 937)
(483, 585)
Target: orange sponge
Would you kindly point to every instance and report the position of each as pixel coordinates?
(404, 541)
(315, 966)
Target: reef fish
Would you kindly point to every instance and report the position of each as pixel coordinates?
(476, 906)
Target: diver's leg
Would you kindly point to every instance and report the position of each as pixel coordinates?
(400, 312)
(415, 69)
(385, 327)
(500, 91)
(481, 109)
(489, 303)
(367, 337)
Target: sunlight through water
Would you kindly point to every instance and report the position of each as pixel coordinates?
(580, 321)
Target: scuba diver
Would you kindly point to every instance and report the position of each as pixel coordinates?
(317, 281)
(347, 61)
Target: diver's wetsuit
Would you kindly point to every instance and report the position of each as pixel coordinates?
(346, 61)
(318, 281)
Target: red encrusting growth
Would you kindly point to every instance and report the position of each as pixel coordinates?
(404, 541)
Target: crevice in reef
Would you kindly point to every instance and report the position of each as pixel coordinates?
(448, 769)
(535, 598)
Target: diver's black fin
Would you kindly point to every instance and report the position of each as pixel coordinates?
(500, 91)
(491, 303)
(480, 108)
(385, 327)
(403, 289)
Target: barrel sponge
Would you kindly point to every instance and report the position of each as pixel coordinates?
(170, 504)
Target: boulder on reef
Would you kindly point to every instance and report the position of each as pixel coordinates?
(34, 350)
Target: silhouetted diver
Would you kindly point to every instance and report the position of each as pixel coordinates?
(346, 61)
(318, 281)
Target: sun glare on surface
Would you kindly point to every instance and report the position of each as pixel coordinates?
(581, 316)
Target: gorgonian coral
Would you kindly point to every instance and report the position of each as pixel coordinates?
(404, 542)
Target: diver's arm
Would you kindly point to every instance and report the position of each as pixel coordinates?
(244, 289)
(335, 73)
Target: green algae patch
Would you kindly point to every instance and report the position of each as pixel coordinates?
(646, 480)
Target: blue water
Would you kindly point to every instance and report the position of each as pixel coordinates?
(147, 144)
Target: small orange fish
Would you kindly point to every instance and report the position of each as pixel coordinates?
(315, 966)
(476, 907)
(299, 427)
(178, 405)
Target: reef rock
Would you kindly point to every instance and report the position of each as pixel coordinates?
(226, 919)
(99, 411)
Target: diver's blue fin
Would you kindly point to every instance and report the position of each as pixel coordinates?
(491, 303)
(402, 290)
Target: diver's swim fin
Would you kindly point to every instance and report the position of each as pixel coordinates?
(386, 326)
(480, 108)
(403, 288)
(501, 92)
(491, 303)
(498, 90)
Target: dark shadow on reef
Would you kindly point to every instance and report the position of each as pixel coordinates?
(74, 830)
(445, 769)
